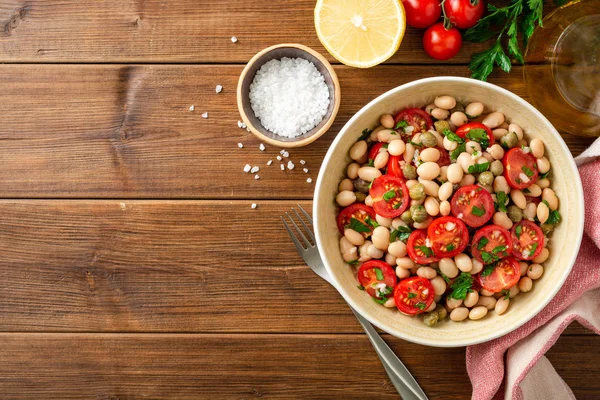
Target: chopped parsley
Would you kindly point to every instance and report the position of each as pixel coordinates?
(456, 152)
(420, 305)
(488, 270)
(361, 287)
(480, 212)
(453, 137)
(479, 168)
(358, 226)
(380, 301)
(482, 243)
(389, 195)
(534, 247)
(378, 274)
(353, 262)
(480, 136)
(397, 205)
(544, 176)
(500, 203)
(499, 249)
(554, 217)
(487, 257)
(526, 191)
(401, 124)
(505, 293)
(365, 134)
(411, 295)
(369, 221)
(527, 171)
(444, 277)
(518, 231)
(546, 203)
(371, 163)
(425, 250)
(401, 233)
(450, 247)
(461, 286)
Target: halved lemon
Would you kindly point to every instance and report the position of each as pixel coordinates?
(360, 33)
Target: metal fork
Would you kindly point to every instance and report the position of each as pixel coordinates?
(400, 377)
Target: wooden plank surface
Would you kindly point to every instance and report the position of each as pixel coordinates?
(176, 31)
(49, 366)
(107, 131)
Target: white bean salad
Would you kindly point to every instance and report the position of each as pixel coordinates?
(446, 211)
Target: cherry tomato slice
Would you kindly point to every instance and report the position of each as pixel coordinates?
(378, 279)
(476, 132)
(505, 274)
(444, 160)
(375, 150)
(473, 204)
(491, 243)
(413, 295)
(464, 14)
(520, 168)
(393, 167)
(528, 240)
(449, 236)
(359, 212)
(416, 118)
(390, 196)
(419, 248)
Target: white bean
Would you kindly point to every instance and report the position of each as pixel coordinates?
(390, 259)
(373, 136)
(535, 271)
(409, 152)
(543, 183)
(449, 144)
(514, 291)
(430, 154)
(352, 170)
(387, 121)
(465, 160)
(523, 268)
(448, 267)
(358, 150)
(354, 237)
(487, 157)
(459, 314)
(369, 173)
(530, 211)
(501, 185)
(439, 285)
(387, 222)
(445, 208)
(374, 252)
(498, 133)
(533, 190)
(474, 110)
(473, 147)
(455, 173)
(543, 212)
(417, 202)
(477, 266)
(467, 180)
(439, 113)
(426, 272)
(543, 165)
(381, 160)
(402, 273)
(432, 206)
(543, 256)
(463, 262)
(493, 120)
(471, 299)
(396, 222)
(428, 170)
(397, 249)
(346, 184)
(459, 118)
(517, 130)
(350, 255)
(396, 147)
(386, 135)
(381, 237)
(522, 143)
(525, 284)
(443, 173)
(445, 191)
(411, 182)
(445, 102)
(431, 188)
(431, 307)
(363, 251)
(345, 198)
(369, 201)
(405, 262)
(496, 151)
(487, 302)
(390, 303)
(423, 225)
(537, 148)
(501, 218)
(478, 313)
(440, 138)
(501, 305)
(549, 195)
(452, 303)
(517, 197)
(486, 293)
(345, 245)
(430, 108)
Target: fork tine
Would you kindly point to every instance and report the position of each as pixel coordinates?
(308, 217)
(308, 230)
(293, 237)
(306, 242)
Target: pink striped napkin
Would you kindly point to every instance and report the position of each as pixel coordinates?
(528, 375)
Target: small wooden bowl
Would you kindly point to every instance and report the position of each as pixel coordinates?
(277, 52)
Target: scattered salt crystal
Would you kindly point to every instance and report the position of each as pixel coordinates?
(233, 39)
(305, 170)
(256, 177)
(282, 167)
(269, 162)
(253, 205)
(239, 124)
(254, 169)
(247, 168)
(309, 180)
(289, 96)
(205, 115)
(219, 89)
(248, 129)
(192, 108)
(279, 158)
(282, 151)
(302, 162)
(290, 165)
(286, 154)
(241, 145)
(261, 147)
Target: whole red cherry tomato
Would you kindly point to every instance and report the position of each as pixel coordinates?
(441, 43)
(422, 13)
(464, 14)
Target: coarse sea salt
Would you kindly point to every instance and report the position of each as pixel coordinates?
(289, 96)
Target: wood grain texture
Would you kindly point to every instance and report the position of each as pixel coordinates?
(110, 366)
(106, 131)
(176, 31)
(159, 266)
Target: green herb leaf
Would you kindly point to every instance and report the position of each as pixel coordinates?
(456, 152)
(498, 249)
(501, 199)
(487, 257)
(378, 274)
(505, 293)
(358, 226)
(389, 195)
(380, 301)
(444, 277)
(369, 221)
(425, 250)
(453, 137)
(365, 134)
(401, 124)
(353, 262)
(527, 171)
(361, 287)
(461, 286)
(478, 211)
(534, 247)
(479, 168)
(482, 242)
(401, 233)
(420, 305)
(397, 205)
(371, 163)
(488, 270)
(480, 136)
(518, 230)
(546, 203)
(544, 176)
(554, 217)
(450, 247)
(411, 295)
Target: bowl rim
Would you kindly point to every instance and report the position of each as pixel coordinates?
(502, 330)
(336, 97)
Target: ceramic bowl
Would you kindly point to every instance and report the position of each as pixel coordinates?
(563, 245)
(279, 51)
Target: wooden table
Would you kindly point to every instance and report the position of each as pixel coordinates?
(131, 262)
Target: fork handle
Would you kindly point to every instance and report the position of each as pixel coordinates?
(400, 377)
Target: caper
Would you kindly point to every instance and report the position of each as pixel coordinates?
(457, 107)
(547, 229)
(360, 197)
(409, 171)
(431, 318)
(442, 312)
(361, 185)
(509, 140)
(406, 217)
(441, 126)
(428, 139)
(486, 178)
(515, 214)
(496, 168)
(417, 192)
(418, 213)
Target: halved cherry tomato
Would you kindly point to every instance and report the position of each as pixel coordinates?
(390, 196)
(444, 160)
(448, 235)
(393, 167)
(378, 279)
(520, 168)
(528, 240)
(491, 243)
(477, 135)
(375, 150)
(413, 295)
(473, 204)
(416, 118)
(358, 211)
(418, 249)
(504, 275)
